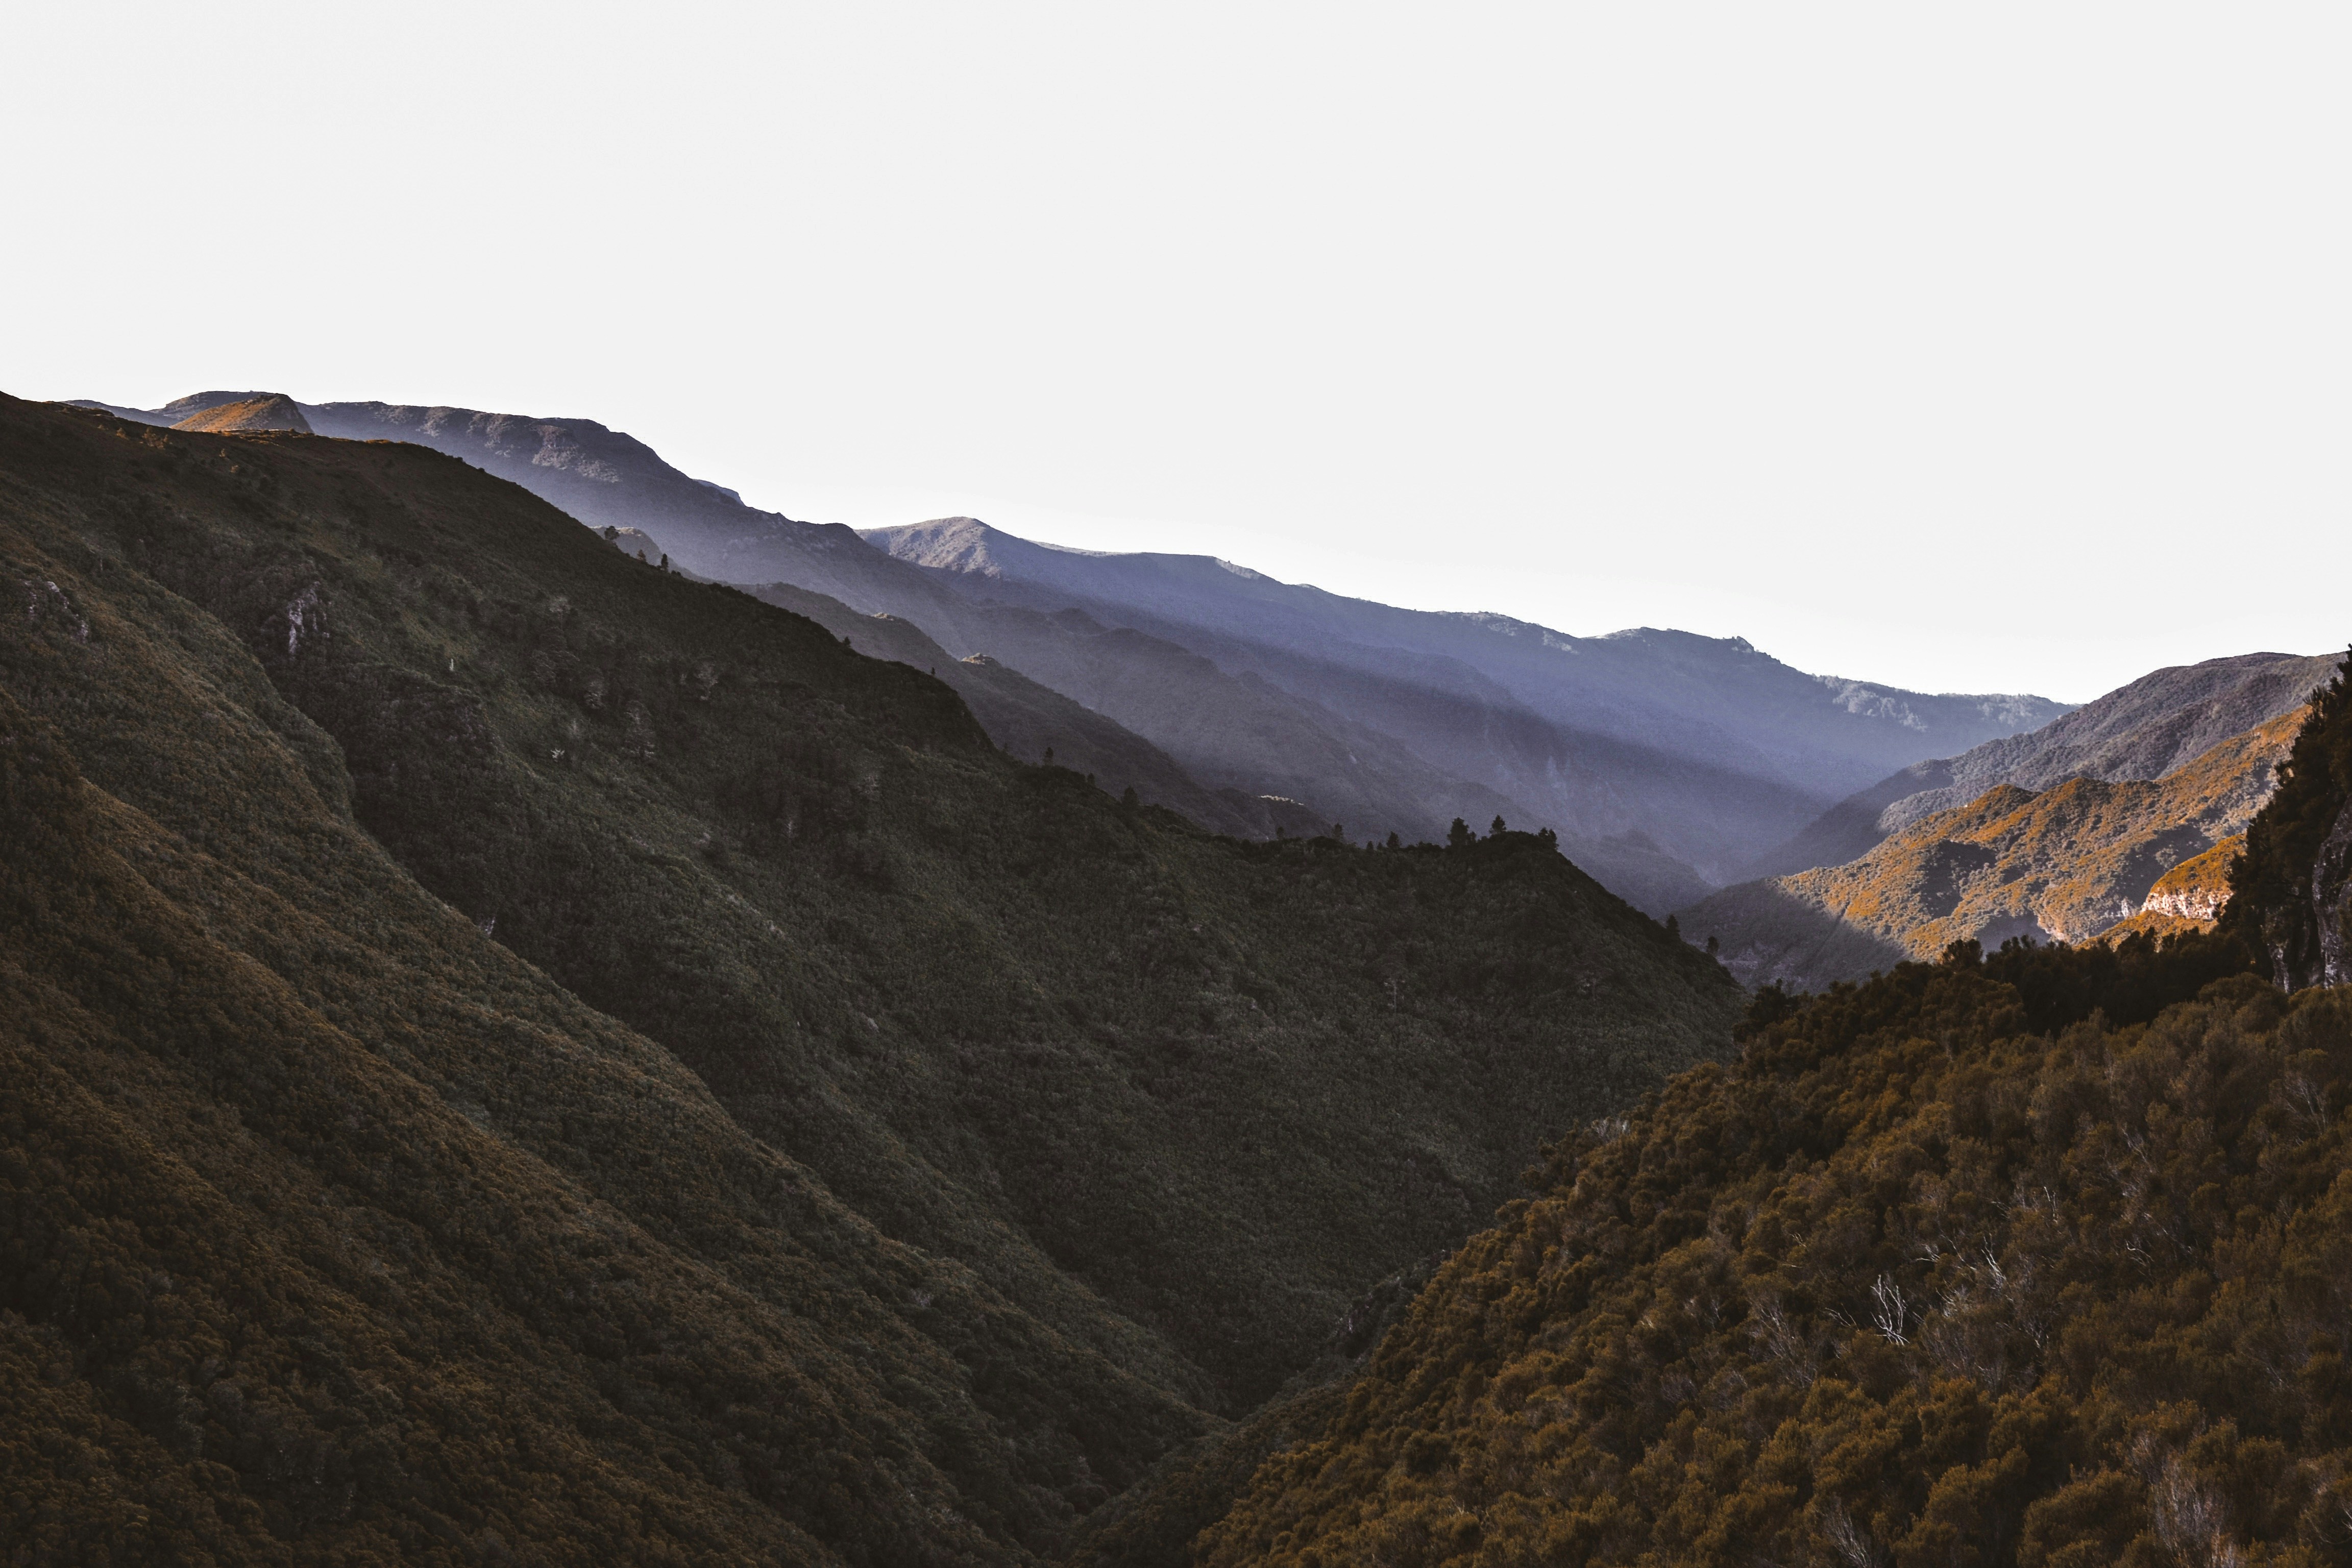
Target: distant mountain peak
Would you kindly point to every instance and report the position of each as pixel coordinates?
(259, 411)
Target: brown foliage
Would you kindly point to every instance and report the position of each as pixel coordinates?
(1907, 1284)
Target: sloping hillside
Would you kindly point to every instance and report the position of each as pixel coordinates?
(2067, 864)
(1942, 1270)
(947, 1141)
(2142, 730)
(2290, 892)
(2189, 896)
(1033, 722)
(334, 1231)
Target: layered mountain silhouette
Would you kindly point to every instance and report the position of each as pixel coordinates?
(514, 1052)
(2033, 1256)
(1666, 763)
(513, 1047)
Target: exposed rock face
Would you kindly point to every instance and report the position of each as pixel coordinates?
(2331, 900)
(2196, 889)
(2288, 894)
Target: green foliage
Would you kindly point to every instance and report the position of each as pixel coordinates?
(1913, 1282)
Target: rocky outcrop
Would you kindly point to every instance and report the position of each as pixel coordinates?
(2289, 897)
(2331, 902)
(2197, 888)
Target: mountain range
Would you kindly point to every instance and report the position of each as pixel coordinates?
(1666, 761)
(546, 1043)
(2122, 816)
(513, 1050)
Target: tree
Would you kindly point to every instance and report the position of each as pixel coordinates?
(1459, 834)
(1496, 831)
(1129, 799)
(1674, 928)
(1394, 842)
(1714, 944)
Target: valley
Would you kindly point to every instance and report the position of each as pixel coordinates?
(551, 1015)
(999, 1136)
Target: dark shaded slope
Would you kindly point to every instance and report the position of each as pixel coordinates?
(609, 478)
(332, 1231)
(1033, 722)
(2142, 730)
(1768, 933)
(1712, 699)
(2291, 894)
(1177, 1100)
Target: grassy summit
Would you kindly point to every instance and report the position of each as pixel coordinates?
(510, 1049)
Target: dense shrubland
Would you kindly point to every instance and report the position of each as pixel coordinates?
(2023, 1259)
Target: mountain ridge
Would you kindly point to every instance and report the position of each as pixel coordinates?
(2069, 863)
(984, 1139)
(2142, 730)
(1589, 767)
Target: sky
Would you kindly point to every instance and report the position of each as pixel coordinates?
(1999, 347)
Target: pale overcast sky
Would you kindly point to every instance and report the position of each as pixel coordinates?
(1984, 347)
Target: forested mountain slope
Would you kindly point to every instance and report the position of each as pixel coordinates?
(2067, 864)
(2040, 1258)
(946, 1140)
(1033, 722)
(1924, 1277)
(2140, 731)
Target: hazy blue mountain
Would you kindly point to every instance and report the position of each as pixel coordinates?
(1815, 729)
(1034, 721)
(1705, 747)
